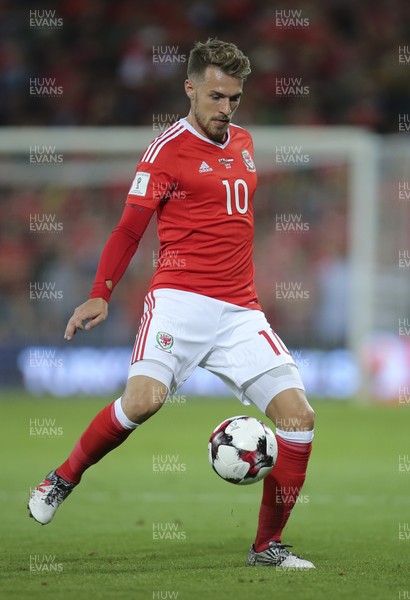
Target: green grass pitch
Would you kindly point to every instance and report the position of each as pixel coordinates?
(134, 531)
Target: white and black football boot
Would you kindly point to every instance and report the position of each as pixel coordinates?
(277, 555)
(48, 496)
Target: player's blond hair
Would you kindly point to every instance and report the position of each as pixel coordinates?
(224, 55)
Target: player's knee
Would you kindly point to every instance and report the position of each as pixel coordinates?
(307, 419)
(143, 398)
(303, 419)
(290, 411)
(139, 407)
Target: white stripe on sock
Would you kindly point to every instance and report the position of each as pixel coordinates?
(122, 417)
(300, 437)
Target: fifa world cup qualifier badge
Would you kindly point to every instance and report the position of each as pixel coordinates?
(247, 159)
(165, 341)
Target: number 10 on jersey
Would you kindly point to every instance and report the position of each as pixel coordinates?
(240, 194)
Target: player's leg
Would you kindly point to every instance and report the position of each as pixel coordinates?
(257, 366)
(161, 361)
(280, 395)
(294, 419)
(143, 397)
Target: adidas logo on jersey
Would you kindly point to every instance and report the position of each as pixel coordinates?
(204, 168)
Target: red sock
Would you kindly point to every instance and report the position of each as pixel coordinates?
(280, 490)
(103, 434)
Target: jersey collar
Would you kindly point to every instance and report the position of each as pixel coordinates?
(188, 126)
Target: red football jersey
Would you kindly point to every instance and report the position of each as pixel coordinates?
(202, 191)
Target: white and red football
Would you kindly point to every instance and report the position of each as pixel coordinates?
(242, 450)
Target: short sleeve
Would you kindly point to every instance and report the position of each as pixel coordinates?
(151, 184)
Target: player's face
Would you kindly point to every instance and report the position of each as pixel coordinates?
(214, 100)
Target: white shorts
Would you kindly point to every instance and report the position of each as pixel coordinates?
(181, 330)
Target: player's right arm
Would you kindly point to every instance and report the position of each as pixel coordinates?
(150, 183)
(115, 258)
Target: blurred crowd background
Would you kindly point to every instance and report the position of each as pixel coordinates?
(101, 55)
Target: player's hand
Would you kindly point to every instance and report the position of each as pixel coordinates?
(86, 316)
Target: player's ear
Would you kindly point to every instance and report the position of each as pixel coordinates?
(189, 88)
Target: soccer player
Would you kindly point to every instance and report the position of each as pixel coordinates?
(201, 309)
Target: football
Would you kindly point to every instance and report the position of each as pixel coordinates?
(242, 450)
